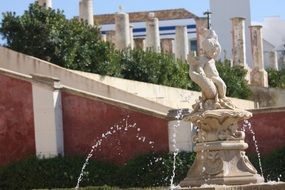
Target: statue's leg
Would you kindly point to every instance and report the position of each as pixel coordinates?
(207, 86)
(221, 86)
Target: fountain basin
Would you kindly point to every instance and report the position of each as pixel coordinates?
(261, 186)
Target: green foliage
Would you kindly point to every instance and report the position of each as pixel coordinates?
(276, 79)
(234, 78)
(154, 170)
(149, 170)
(272, 164)
(148, 66)
(48, 35)
(146, 170)
(59, 172)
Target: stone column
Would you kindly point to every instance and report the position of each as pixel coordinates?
(47, 116)
(273, 61)
(181, 43)
(258, 74)
(45, 3)
(238, 44)
(238, 38)
(152, 33)
(180, 132)
(139, 43)
(111, 36)
(86, 11)
(201, 24)
(167, 45)
(122, 30)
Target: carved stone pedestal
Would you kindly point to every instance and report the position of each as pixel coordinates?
(220, 149)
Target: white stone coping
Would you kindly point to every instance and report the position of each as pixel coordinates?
(174, 98)
(24, 64)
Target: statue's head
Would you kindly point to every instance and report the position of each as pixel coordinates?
(210, 44)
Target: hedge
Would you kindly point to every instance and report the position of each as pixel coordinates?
(62, 172)
(149, 170)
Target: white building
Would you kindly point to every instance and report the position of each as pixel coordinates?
(274, 38)
(168, 20)
(222, 12)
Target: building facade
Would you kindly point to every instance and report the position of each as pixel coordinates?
(168, 20)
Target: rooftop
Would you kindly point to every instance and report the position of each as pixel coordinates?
(168, 14)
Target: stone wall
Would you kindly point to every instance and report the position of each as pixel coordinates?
(268, 97)
(269, 128)
(85, 119)
(30, 123)
(16, 120)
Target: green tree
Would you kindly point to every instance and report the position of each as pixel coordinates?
(157, 68)
(48, 35)
(276, 79)
(234, 78)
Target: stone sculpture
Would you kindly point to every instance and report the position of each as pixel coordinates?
(220, 146)
(203, 71)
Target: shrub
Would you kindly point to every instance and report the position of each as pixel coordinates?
(154, 170)
(272, 164)
(152, 67)
(276, 79)
(33, 173)
(143, 171)
(234, 77)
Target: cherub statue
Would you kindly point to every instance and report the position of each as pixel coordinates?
(203, 72)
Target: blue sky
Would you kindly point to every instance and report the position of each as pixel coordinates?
(259, 8)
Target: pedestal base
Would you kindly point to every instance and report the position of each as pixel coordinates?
(221, 163)
(259, 78)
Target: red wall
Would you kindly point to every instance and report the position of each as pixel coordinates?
(16, 120)
(85, 120)
(269, 127)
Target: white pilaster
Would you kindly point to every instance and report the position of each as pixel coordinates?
(180, 133)
(47, 116)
